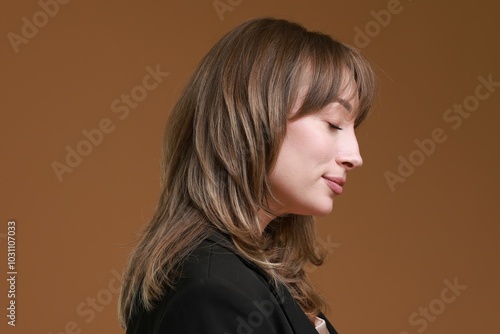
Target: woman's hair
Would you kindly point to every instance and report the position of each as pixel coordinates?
(221, 141)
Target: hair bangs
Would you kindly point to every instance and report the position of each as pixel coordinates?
(331, 67)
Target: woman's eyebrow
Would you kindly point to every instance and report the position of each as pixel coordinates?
(345, 104)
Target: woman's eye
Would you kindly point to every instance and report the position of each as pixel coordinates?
(333, 126)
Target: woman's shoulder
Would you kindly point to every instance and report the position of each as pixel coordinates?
(215, 287)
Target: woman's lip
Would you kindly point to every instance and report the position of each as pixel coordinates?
(335, 183)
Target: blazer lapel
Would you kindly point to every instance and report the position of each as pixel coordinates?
(296, 316)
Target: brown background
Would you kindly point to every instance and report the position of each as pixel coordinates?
(391, 251)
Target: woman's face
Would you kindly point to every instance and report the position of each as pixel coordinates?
(315, 157)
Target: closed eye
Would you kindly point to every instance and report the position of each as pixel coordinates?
(333, 126)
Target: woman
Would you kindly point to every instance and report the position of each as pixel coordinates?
(259, 142)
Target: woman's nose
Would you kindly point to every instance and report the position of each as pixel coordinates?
(349, 156)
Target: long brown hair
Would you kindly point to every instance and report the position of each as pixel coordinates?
(221, 141)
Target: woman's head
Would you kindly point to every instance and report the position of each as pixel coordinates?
(231, 120)
(255, 108)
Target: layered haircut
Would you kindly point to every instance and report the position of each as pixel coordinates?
(221, 141)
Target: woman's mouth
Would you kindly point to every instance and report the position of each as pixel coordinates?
(335, 183)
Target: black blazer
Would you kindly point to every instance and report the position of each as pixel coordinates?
(220, 292)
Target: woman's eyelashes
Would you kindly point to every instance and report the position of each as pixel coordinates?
(333, 126)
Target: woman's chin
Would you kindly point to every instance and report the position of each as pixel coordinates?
(318, 210)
